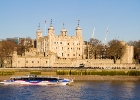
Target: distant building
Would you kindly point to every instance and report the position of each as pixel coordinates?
(15, 39)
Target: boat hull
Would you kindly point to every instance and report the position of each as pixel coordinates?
(40, 83)
(37, 82)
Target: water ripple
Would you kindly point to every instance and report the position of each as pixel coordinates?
(95, 90)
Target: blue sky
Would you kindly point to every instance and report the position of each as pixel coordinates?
(20, 18)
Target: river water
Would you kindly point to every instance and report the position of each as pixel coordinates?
(88, 90)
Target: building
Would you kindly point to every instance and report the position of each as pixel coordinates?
(64, 46)
(65, 51)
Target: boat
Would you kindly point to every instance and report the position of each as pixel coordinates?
(37, 80)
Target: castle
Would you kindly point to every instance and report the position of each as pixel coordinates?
(64, 51)
(63, 45)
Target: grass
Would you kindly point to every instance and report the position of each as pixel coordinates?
(93, 72)
(71, 72)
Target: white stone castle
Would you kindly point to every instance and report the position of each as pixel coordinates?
(65, 51)
(63, 46)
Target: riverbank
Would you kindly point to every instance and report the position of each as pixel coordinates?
(104, 78)
(91, 78)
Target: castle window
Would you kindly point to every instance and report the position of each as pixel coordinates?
(62, 48)
(79, 54)
(68, 48)
(54, 42)
(79, 48)
(38, 61)
(62, 54)
(68, 43)
(68, 54)
(60, 42)
(26, 61)
(46, 61)
(32, 61)
(73, 54)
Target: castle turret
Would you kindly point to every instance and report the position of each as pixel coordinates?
(78, 31)
(51, 30)
(129, 53)
(51, 37)
(38, 35)
(63, 31)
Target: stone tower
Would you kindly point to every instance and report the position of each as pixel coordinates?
(51, 37)
(38, 35)
(78, 31)
(128, 55)
(79, 37)
(63, 31)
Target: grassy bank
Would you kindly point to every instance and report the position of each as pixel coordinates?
(71, 72)
(101, 72)
(78, 75)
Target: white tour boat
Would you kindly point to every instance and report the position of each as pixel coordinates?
(37, 80)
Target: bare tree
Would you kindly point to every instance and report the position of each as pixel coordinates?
(6, 50)
(24, 45)
(115, 50)
(95, 48)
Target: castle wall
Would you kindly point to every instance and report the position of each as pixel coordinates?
(31, 62)
(51, 61)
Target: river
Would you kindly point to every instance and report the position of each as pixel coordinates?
(86, 90)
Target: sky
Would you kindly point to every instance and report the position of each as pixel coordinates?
(21, 18)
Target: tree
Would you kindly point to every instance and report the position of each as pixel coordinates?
(95, 48)
(24, 45)
(115, 50)
(28, 43)
(6, 50)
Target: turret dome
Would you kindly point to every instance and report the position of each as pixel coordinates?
(78, 28)
(51, 28)
(38, 30)
(63, 30)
